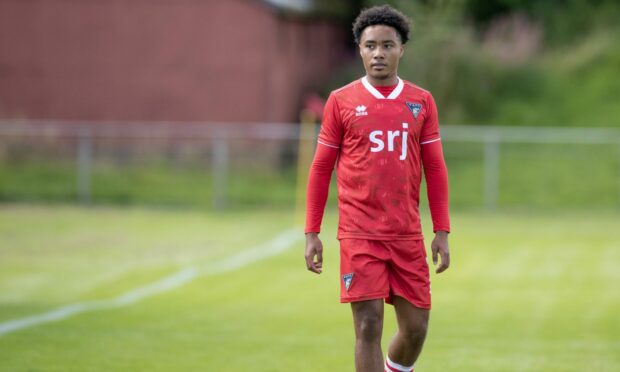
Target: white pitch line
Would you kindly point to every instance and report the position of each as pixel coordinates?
(268, 249)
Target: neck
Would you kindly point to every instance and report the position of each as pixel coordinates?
(388, 81)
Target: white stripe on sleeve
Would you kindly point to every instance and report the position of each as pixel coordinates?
(327, 144)
(435, 140)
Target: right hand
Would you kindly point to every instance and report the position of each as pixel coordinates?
(439, 247)
(314, 253)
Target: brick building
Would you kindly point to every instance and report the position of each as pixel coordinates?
(185, 60)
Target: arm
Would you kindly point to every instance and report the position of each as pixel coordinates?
(436, 175)
(318, 189)
(325, 157)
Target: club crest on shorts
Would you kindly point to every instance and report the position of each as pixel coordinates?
(415, 108)
(347, 279)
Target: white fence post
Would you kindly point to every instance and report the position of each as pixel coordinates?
(84, 165)
(491, 170)
(219, 168)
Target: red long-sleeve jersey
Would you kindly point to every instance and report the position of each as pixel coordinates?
(379, 144)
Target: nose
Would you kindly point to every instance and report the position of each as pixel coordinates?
(378, 53)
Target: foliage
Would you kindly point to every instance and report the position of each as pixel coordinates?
(564, 20)
(520, 63)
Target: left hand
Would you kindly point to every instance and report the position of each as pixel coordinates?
(439, 246)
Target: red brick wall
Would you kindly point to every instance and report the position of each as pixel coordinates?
(233, 60)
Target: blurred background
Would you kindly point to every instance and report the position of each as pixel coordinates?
(197, 104)
(140, 139)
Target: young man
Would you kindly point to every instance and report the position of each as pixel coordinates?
(380, 131)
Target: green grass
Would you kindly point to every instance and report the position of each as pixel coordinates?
(536, 176)
(159, 185)
(525, 293)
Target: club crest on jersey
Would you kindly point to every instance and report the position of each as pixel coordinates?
(361, 111)
(347, 279)
(415, 108)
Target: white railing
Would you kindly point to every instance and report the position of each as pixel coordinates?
(493, 136)
(218, 136)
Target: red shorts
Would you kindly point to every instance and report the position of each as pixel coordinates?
(373, 269)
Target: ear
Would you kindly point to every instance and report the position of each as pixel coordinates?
(402, 50)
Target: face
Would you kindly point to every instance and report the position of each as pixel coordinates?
(381, 49)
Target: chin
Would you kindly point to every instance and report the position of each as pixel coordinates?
(380, 75)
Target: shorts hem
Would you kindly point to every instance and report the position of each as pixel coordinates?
(374, 296)
(418, 304)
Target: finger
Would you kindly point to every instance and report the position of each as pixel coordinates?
(434, 256)
(312, 266)
(445, 263)
(309, 262)
(319, 256)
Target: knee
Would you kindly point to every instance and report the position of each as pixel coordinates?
(415, 331)
(369, 328)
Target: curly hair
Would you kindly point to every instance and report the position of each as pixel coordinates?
(382, 15)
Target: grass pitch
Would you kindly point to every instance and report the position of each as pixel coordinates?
(524, 293)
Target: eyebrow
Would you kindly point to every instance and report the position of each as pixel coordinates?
(380, 41)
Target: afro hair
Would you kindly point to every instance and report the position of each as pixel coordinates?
(382, 15)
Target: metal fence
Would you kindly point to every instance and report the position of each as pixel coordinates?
(489, 166)
(493, 138)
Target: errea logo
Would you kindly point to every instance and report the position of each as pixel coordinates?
(361, 111)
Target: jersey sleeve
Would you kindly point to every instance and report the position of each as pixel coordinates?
(430, 128)
(330, 138)
(436, 175)
(318, 186)
(331, 126)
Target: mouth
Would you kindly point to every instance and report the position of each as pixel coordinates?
(378, 66)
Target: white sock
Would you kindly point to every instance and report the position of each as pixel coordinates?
(395, 367)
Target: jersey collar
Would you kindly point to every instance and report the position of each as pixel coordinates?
(395, 93)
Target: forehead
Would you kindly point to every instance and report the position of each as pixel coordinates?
(379, 33)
